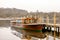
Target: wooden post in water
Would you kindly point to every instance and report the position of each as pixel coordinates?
(47, 21)
(31, 19)
(28, 37)
(27, 19)
(54, 26)
(40, 21)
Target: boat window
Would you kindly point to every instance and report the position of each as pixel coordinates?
(52, 29)
(48, 28)
(45, 27)
(57, 29)
(18, 20)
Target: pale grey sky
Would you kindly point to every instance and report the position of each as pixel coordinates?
(32, 5)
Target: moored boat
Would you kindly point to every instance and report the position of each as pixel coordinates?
(29, 26)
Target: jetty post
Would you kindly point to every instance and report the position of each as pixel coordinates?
(54, 26)
(47, 21)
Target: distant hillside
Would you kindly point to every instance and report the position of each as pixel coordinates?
(12, 12)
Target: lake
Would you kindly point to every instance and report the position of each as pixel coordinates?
(6, 34)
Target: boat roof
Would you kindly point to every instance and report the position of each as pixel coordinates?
(41, 24)
(50, 24)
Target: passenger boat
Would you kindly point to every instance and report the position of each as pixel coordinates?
(29, 26)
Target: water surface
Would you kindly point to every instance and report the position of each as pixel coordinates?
(6, 34)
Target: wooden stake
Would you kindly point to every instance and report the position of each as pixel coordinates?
(54, 26)
(40, 19)
(27, 19)
(40, 39)
(47, 21)
(28, 37)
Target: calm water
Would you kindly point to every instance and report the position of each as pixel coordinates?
(6, 34)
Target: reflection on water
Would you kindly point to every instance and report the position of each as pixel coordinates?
(6, 34)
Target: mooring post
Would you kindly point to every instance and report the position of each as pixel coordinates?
(47, 21)
(28, 37)
(59, 32)
(54, 25)
(40, 19)
(40, 39)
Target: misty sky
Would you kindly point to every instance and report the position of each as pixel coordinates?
(32, 5)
